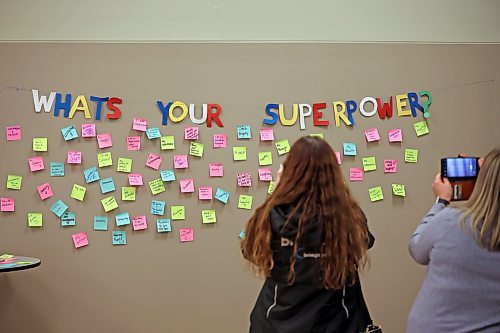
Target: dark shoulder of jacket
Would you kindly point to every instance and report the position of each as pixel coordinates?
(370, 239)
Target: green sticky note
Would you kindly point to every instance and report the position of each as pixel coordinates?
(196, 149)
(411, 155)
(421, 128)
(40, 144)
(128, 193)
(35, 219)
(124, 164)
(271, 187)
(240, 153)
(109, 203)
(208, 216)
(318, 135)
(369, 163)
(167, 142)
(14, 182)
(265, 158)
(399, 190)
(104, 159)
(178, 212)
(156, 186)
(376, 193)
(245, 201)
(283, 146)
(78, 192)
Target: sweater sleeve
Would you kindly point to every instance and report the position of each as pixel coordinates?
(423, 239)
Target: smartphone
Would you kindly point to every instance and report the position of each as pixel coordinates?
(459, 168)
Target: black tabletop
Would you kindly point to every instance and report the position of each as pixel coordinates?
(11, 263)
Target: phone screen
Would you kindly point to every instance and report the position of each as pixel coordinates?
(461, 167)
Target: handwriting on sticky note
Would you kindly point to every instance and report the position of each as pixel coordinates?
(372, 135)
(244, 179)
(376, 193)
(69, 133)
(88, 130)
(181, 162)
(266, 134)
(186, 235)
(133, 143)
(220, 141)
(40, 144)
(104, 140)
(56, 169)
(369, 163)
(68, 219)
(139, 223)
(222, 195)
(7, 205)
(158, 207)
(205, 192)
(122, 219)
(35, 219)
(80, 239)
(128, 193)
(124, 165)
(395, 135)
(101, 223)
(245, 201)
(119, 237)
(153, 133)
(167, 142)
(265, 174)
(154, 161)
(355, 174)
(74, 157)
(59, 208)
(140, 124)
(91, 175)
(36, 163)
(156, 186)
(196, 149)
(271, 187)
(243, 132)
(107, 185)
(13, 133)
(104, 159)
(411, 155)
(167, 175)
(282, 146)
(178, 212)
(421, 128)
(78, 192)
(265, 158)
(163, 225)
(186, 185)
(239, 153)
(216, 170)
(390, 166)
(45, 191)
(14, 182)
(135, 179)
(109, 203)
(349, 149)
(208, 216)
(191, 133)
(399, 190)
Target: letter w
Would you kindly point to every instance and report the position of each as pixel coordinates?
(39, 101)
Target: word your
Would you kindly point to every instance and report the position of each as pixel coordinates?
(209, 112)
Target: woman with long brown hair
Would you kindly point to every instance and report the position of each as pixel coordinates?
(309, 239)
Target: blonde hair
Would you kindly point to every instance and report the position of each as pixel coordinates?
(483, 206)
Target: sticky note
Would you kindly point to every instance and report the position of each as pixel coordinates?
(36, 163)
(122, 219)
(271, 187)
(69, 133)
(56, 169)
(372, 135)
(178, 212)
(45, 191)
(153, 133)
(338, 157)
(395, 135)
(266, 134)
(14, 182)
(109, 203)
(139, 223)
(157, 207)
(167, 175)
(283, 147)
(128, 193)
(181, 162)
(411, 155)
(220, 141)
(35, 219)
(40, 144)
(133, 143)
(242, 234)
(80, 239)
(153, 161)
(186, 185)
(59, 208)
(265, 174)
(205, 192)
(196, 149)
(135, 179)
(156, 186)
(191, 133)
(355, 174)
(376, 193)
(7, 205)
(239, 153)
(369, 163)
(167, 142)
(124, 165)
(421, 128)
(265, 158)
(390, 166)
(74, 157)
(222, 195)
(208, 216)
(119, 237)
(68, 219)
(186, 235)
(244, 179)
(399, 190)
(13, 133)
(243, 132)
(88, 131)
(318, 135)
(163, 225)
(101, 223)
(107, 185)
(91, 175)
(349, 149)
(245, 201)
(78, 192)
(104, 140)
(216, 170)
(104, 159)
(140, 124)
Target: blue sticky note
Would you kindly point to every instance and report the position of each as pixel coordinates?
(59, 208)
(69, 133)
(163, 225)
(101, 223)
(122, 219)
(56, 169)
(244, 132)
(157, 207)
(119, 237)
(349, 149)
(167, 175)
(67, 219)
(91, 175)
(222, 195)
(242, 234)
(153, 133)
(107, 185)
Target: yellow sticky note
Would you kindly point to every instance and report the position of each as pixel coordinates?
(14, 182)
(318, 135)
(109, 203)
(40, 144)
(240, 153)
(265, 158)
(245, 201)
(128, 193)
(369, 163)
(178, 212)
(104, 159)
(411, 155)
(376, 193)
(196, 149)
(167, 142)
(421, 128)
(399, 190)
(208, 216)
(283, 147)
(35, 219)
(124, 164)
(78, 192)
(156, 186)
(271, 187)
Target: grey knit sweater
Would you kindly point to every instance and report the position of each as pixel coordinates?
(461, 289)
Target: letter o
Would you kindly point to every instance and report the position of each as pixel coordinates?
(183, 115)
(362, 106)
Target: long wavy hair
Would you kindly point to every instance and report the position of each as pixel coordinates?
(314, 185)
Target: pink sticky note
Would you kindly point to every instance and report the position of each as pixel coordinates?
(13, 133)
(266, 134)
(265, 174)
(36, 163)
(395, 135)
(133, 143)
(205, 193)
(220, 140)
(154, 161)
(7, 205)
(135, 179)
(372, 135)
(244, 179)
(191, 133)
(139, 223)
(337, 155)
(80, 239)
(45, 191)
(140, 124)
(186, 185)
(74, 157)
(216, 170)
(104, 140)
(355, 174)
(181, 162)
(390, 166)
(186, 234)
(88, 130)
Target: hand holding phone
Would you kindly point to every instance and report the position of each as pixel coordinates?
(462, 174)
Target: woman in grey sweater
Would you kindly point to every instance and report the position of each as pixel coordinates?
(461, 247)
